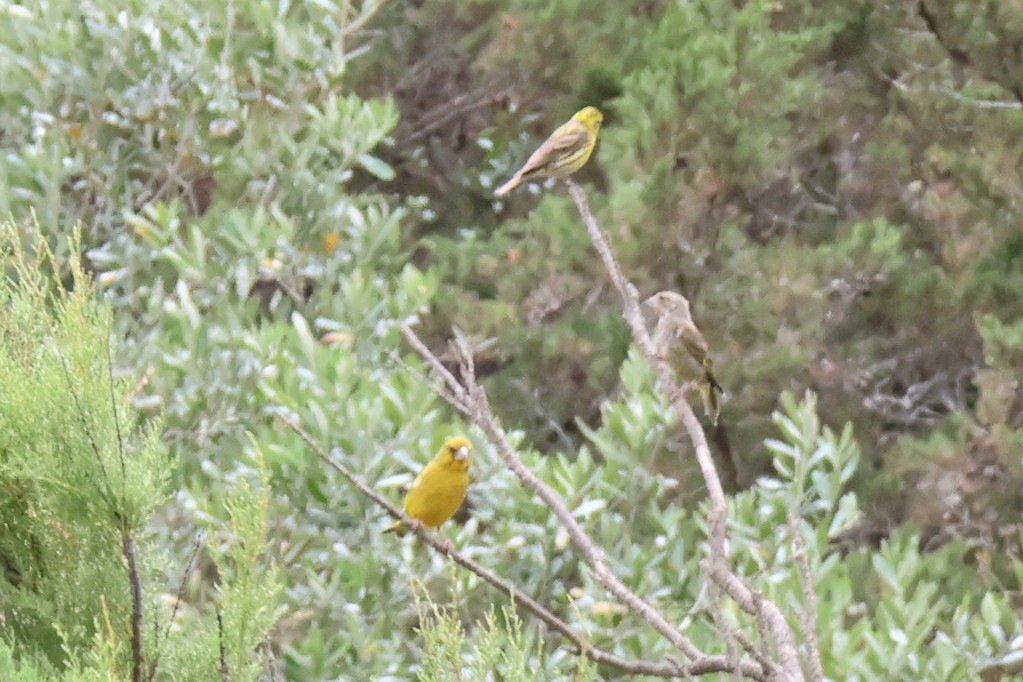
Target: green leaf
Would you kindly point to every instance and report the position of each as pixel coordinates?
(376, 166)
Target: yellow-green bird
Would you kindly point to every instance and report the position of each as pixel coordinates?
(565, 151)
(679, 342)
(439, 488)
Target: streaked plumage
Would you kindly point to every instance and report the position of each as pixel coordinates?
(683, 347)
(563, 153)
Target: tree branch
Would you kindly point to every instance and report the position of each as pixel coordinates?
(179, 597)
(470, 394)
(720, 572)
(128, 546)
(668, 669)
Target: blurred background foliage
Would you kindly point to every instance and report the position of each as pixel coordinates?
(265, 190)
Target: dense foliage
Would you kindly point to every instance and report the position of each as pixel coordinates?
(82, 473)
(267, 190)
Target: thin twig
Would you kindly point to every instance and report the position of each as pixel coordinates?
(178, 598)
(127, 541)
(668, 669)
(457, 401)
(726, 633)
(719, 571)
(475, 397)
(449, 110)
(128, 546)
(113, 401)
(223, 650)
(763, 632)
(108, 493)
(757, 654)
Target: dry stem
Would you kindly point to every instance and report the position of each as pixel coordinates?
(720, 572)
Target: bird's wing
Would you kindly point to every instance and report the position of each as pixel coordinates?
(697, 348)
(570, 136)
(693, 340)
(415, 498)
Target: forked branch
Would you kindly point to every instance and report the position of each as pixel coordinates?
(720, 572)
(467, 396)
(666, 669)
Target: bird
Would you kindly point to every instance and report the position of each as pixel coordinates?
(563, 153)
(439, 489)
(679, 342)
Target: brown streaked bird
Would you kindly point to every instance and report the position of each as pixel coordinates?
(679, 342)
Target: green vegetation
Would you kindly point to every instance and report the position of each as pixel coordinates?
(82, 476)
(221, 213)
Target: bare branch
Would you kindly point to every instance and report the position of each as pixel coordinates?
(128, 547)
(759, 655)
(439, 116)
(479, 413)
(178, 598)
(719, 571)
(224, 672)
(667, 669)
(437, 387)
(726, 634)
(455, 388)
(127, 542)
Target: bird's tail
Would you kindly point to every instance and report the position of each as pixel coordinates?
(396, 527)
(711, 405)
(711, 402)
(708, 371)
(515, 181)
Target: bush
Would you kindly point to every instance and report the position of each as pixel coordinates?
(82, 475)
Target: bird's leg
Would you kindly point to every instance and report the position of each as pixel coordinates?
(446, 545)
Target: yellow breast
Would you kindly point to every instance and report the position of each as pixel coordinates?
(437, 493)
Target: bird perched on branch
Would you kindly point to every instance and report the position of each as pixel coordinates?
(439, 488)
(565, 151)
(679, 342)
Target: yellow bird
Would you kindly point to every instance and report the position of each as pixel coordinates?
(679, 342)
(439, 488)
(565, 151)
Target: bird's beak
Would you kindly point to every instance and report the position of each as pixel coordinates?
(460, 454)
